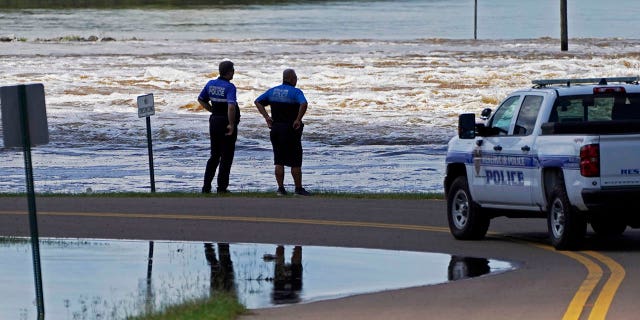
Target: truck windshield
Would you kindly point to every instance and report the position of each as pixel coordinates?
(584, 108)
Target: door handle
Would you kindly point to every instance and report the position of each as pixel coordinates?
(526, 148)
(497, 148)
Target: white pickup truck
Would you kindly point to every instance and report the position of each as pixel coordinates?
(567, 150)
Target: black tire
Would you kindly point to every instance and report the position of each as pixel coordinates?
(466, 219)
(567, 227)
(608, 228)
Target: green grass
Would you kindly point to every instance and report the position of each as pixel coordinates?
(218, 307)
(242, 194)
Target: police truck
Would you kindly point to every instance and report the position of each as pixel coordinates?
(567, 150)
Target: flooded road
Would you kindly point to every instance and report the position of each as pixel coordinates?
(113, 279)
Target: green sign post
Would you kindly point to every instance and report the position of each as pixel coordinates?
(145, 110)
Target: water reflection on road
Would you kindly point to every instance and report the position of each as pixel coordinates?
(110, 279)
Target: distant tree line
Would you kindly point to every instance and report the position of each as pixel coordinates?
(71, 4)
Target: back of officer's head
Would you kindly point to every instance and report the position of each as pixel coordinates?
(289, 76)
(225, 67)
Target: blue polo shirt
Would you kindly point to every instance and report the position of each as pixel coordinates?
(284, 100)
(220, 92)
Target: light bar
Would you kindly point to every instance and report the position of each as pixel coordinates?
(586, 80)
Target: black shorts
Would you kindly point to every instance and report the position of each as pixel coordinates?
(287, 144)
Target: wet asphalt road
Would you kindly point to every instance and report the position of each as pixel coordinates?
(600, 281)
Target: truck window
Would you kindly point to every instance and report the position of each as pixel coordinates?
(502, 118)
(583, 108)
(626, 109)
(571, 109)
(602, 109)
(528, 115)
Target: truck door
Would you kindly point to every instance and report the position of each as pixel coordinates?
(505, 166)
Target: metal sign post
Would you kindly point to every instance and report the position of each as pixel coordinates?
(29, 121)
(146, 109)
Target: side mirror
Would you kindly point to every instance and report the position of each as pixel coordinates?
(482, 131)
(467, 126)
(486, 113)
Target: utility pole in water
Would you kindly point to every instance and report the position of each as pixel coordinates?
(475, 21)
(564, 37)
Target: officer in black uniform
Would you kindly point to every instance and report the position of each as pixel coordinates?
(288, 106)
(219, 97)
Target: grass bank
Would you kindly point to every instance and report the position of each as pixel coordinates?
(217, 307)
(242, 194)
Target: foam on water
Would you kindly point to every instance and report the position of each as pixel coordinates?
(397, 98)
(381, 109)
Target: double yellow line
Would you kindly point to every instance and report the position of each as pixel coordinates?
(594, 277)
(575, 310)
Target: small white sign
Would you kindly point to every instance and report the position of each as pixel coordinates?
(145, 106)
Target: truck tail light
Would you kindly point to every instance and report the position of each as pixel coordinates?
(590, 160)
(608, 90)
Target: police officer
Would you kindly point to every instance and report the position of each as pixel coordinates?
(288, 106)
(219, 97)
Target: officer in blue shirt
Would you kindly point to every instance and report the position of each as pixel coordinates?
(288, 106)
(219, 97)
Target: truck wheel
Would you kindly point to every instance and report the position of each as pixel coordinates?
(466, 219)
(566, 226)
(608, 228)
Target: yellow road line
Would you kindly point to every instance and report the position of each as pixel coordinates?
(594, 274)
(237, 219)
(602, 304)
(579, 301)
